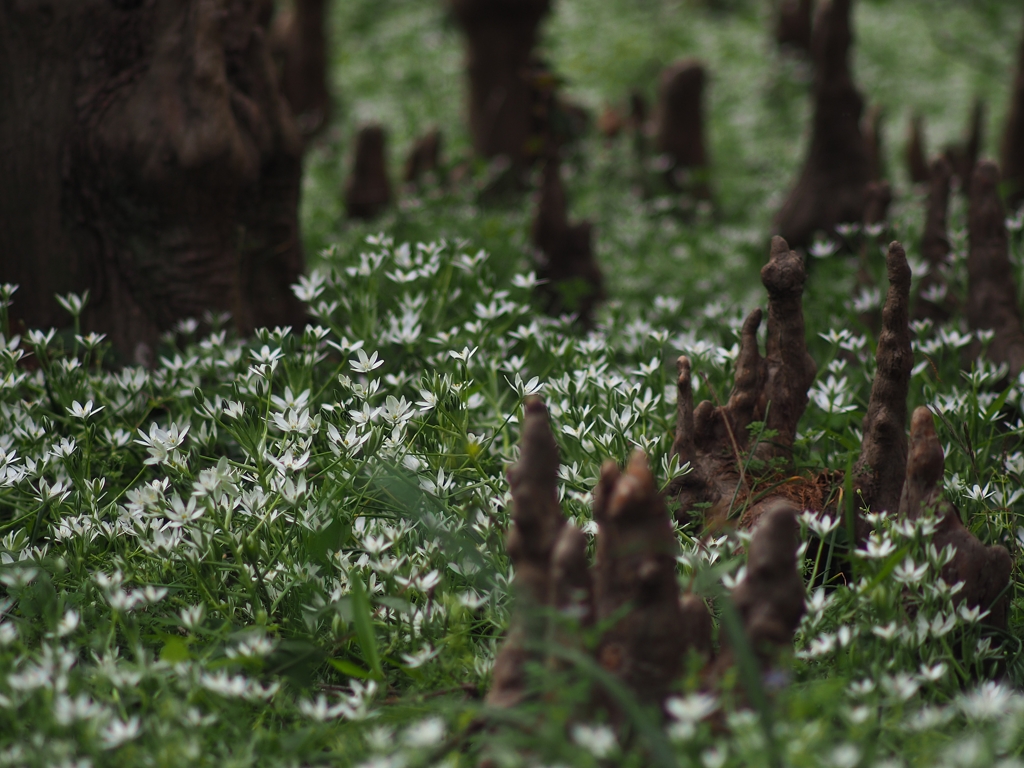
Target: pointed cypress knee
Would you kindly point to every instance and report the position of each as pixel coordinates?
(368, 189)
(830, 188)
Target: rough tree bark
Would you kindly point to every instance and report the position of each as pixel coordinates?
(679, 126)
(1013, 138)
(830, 189)
(991, 287)
(500, 36)
(148, 156)
(298, 39)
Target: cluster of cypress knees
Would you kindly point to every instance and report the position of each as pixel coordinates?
(651, 630)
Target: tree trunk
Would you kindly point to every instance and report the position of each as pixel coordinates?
(1013, 139)
(298, 39)
(148, 157)
(500, 35)
(793, 24)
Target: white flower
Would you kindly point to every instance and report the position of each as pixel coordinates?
(888, 632)
(901, 685)
(192, 616)
(233, 409)
(692, 708)
(464, 355)
(877, 547)
(427, 401)
(421, 657)
(972, 615)
(68, 624)
(80, 411)
(820, 249)
(118, 732)
(528, 281)
(599, 740)
(990, 700)
(162, 443)
(933, 673)
(845, 756)
(862, 687)
(908, 572)
(289, 462)
(365, 364)
(320, 710)
(425, 733)
(821, 524)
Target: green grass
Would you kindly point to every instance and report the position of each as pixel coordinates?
(290, 550)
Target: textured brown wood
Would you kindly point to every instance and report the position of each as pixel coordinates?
(148, 157)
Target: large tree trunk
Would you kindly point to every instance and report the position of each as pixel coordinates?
(298, 38)
(500, 35)
(1013, 138)
(148, 156)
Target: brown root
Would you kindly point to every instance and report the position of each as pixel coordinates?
(635, 568)
(1013, 139)
(992, 289)
(772, 389)
(935, 247)
(793, 24)
(917, 164)
(566, 256)
(368, 189)
(770, 599)
(679, 126)
(537, 529)
(984, 571)
(879, 471)
(830, 189)
(632, 582)
(424, 159)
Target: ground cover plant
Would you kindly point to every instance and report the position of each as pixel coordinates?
(291, 549)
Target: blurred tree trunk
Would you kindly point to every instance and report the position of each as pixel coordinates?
(500, 35)
(299, 40)
(147, 156)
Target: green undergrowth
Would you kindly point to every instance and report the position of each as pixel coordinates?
(289, 550)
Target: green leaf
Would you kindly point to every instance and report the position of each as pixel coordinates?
(350, 669)
(175, 649)
(363, 620)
